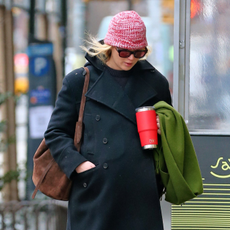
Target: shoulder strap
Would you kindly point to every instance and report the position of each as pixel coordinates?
(79, 124)
(77, 135)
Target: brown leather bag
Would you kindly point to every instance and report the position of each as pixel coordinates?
(47, 176)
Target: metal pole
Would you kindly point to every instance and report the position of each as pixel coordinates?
(63, 28)
(130, 4)
(32, 18)
(181, 57)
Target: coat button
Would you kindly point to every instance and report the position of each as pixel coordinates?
(84, 185)
(105, 141)
(98, 117)
(105, 166)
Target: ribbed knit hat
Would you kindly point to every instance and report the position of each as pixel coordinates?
(126, 30)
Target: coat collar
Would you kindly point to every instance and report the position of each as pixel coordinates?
(123, 100)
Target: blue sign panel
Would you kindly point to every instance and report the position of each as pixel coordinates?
(39, 66)
(40, 49)
(40, 96)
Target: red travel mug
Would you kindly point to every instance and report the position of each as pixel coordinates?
(147, 126)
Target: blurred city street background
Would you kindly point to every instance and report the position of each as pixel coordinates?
(190, 43)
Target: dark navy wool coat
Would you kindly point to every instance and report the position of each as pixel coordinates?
(121, 192)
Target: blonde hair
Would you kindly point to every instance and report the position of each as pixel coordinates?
(102, 51)
(96, 48)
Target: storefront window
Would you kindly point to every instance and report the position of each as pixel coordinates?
(209, 105)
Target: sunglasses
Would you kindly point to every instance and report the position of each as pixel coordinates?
(123, 53)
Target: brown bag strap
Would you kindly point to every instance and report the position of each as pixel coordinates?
(83, 98)
(78, 131)
(79, 124)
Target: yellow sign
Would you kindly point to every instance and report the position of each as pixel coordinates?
(167, 9)
(222, 165)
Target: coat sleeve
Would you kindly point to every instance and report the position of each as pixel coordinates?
(60, 132)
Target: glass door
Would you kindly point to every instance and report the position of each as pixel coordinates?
(209, 101)
(202, 95)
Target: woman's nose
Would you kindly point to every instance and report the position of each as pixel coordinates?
(131, 57)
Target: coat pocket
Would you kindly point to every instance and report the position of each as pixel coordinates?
(88, 171)
(87, 185)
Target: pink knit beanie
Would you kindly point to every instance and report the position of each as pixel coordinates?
(126, 30)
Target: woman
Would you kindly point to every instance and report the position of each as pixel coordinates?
(114, 182)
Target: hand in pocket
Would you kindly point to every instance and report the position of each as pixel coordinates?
(85, 166)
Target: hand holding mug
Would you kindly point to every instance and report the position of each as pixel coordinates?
(158, 125)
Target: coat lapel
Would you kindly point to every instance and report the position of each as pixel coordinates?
(124, 101)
